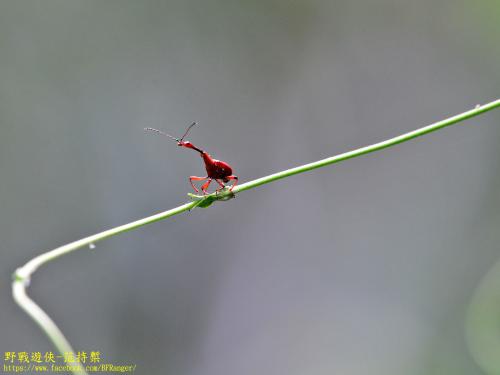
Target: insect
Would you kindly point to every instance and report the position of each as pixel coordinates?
(217, 170)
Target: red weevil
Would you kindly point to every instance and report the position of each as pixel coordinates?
(217, 170)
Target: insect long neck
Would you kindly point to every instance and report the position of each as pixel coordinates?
(193, 147)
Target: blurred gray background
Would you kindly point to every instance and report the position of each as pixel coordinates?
(364, 267)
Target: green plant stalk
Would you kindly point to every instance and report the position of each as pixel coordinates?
(368, 149)
(23, 274)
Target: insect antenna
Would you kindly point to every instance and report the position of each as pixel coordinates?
(162, 133)
(188, 129)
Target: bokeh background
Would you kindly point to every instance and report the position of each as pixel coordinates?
(368, 266)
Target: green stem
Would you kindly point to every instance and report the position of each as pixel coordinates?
(23, 274)
(368, 149)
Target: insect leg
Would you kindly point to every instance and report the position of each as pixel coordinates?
(196, 179)
(205, 186)
(222, 186)
(235, 178)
